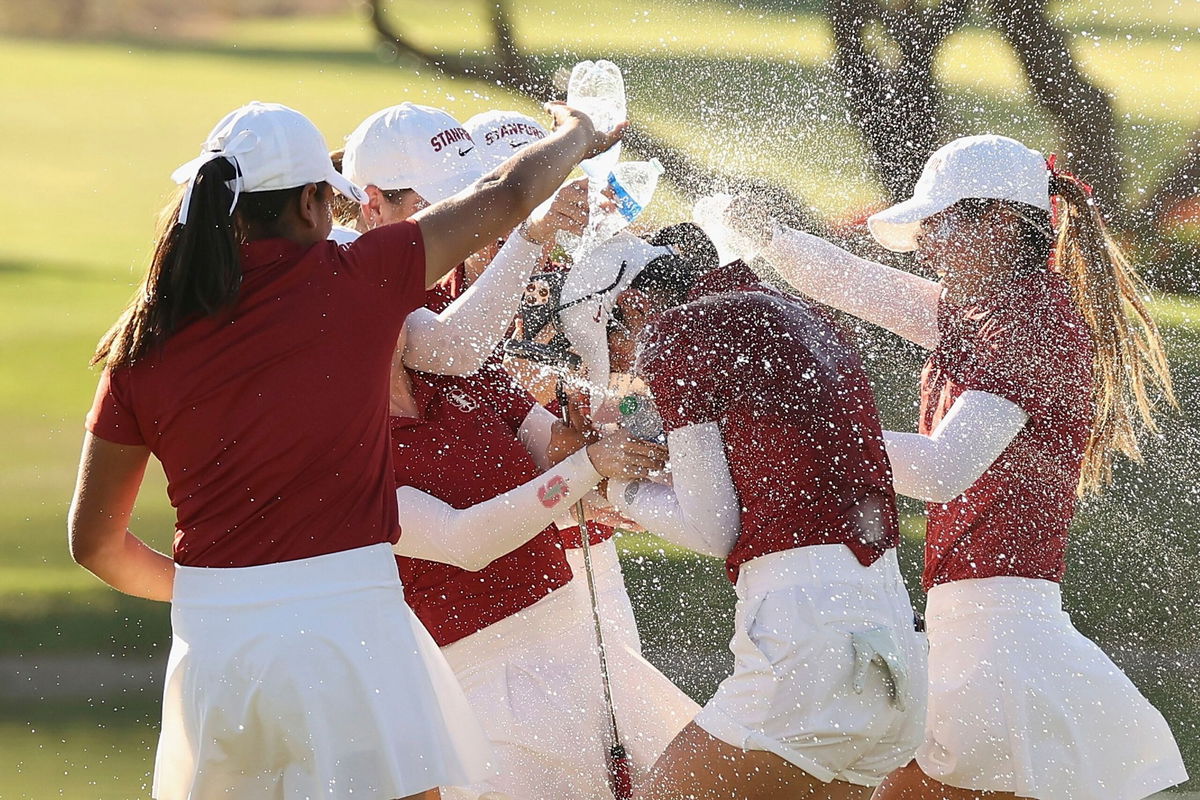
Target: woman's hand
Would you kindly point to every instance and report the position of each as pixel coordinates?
(568, 211)
(618, 455)
(751, 219)
(596, 142)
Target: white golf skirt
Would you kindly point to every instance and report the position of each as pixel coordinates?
(828, 672)
(534, 680)
(308, 679)
(616, 612)
(1021, 702)
(651, 710)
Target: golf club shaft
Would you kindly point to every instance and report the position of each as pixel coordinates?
(619, 768)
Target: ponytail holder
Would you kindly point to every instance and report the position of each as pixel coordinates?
(1055, 173)
(1067, 176)
(242, 143)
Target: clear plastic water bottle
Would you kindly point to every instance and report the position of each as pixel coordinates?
(598, 90)
(632, 185)
(641, 419)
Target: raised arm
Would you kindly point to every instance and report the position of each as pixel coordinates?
(899, 301)
(97, 527)
(701, 510)
(459, 226)
(472, 538)
(939, 467)
(459, 340)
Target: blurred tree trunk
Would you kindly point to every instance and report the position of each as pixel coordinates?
(1082, 111)
(884, 55)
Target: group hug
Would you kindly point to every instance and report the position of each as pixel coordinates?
(403, 413)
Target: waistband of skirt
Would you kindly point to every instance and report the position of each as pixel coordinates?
(562, 616)
(349, 570)
(815, 565)
(1000, 594)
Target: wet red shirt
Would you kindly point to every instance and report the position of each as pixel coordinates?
(463, 450)
(271, 421)
(441, 295)
(1029, 345)
(796, 413)
(447, 290)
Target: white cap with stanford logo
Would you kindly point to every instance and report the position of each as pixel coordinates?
(273, 146)
(413, 147)
(989, 167)
(499, 134)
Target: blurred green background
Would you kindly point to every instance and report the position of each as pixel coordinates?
(100, 101)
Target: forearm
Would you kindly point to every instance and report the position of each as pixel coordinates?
(899, 301)
(129, 565)
(701, 510)
(472, 538)
(110, 476)
(939, 467)
(537, 434)
(459, 340)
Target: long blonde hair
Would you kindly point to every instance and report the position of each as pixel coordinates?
(1130, 373)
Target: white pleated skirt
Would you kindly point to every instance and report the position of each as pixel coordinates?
(1021, 702)
(308, 678)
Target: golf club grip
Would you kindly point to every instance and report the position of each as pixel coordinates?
(620, 773)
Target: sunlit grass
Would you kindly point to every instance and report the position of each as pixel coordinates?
(91, 131)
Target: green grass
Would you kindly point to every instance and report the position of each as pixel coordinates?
(99, 751)
(91, 131)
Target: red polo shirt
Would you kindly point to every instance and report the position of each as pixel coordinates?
(795, 409)
(447, 290)
(271, 420)
(441, 295)
(1029, 345)
(463, 450)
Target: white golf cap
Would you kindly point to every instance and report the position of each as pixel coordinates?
(499, 134)
(413, 147)
(989, 167)
(273, 146)
(591, 291)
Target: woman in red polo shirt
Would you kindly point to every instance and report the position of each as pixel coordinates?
(1044, 365)
(250, 327)
(483, 567)
(778, 467)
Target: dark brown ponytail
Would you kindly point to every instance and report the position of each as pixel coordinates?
(1130, 372)
(194, 270)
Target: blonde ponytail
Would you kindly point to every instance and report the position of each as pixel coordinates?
(1130, 372)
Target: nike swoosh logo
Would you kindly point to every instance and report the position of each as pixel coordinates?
(515, 145)
(464, 152)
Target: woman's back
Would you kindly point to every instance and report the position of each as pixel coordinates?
(271, 420)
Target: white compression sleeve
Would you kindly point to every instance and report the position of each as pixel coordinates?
(535, 433)
(459, 340)
(472, 538)
(939, 467)
(899, 301)
(701, 511)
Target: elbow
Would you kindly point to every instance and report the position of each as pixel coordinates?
(454, 367)
(940, 496)
(84, 549)
(943, 492)
(474, 564)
